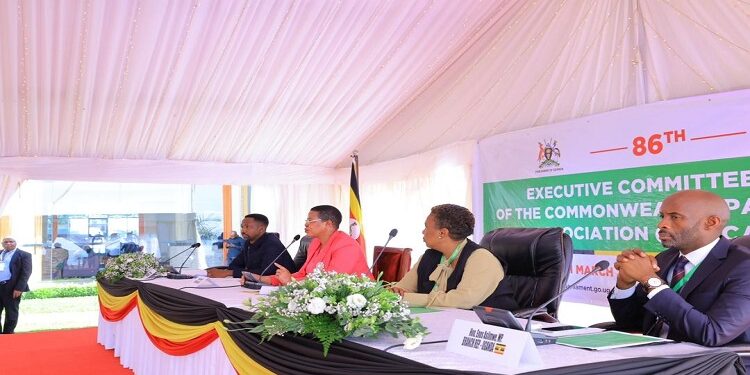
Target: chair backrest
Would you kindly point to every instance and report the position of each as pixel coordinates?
(537, 263)
(742, 241)
(394, 262)
(301, 257)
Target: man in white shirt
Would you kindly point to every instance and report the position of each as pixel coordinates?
(699, 289)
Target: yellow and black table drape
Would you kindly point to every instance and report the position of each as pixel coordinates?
(180, 323)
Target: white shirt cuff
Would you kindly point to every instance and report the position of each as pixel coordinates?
(658, 289)
(618, 293)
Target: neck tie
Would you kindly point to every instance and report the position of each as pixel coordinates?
(679, 270)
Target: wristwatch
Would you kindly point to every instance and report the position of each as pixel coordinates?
(653, 283)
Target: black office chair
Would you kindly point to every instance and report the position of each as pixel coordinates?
(301, 257)
(537, 263)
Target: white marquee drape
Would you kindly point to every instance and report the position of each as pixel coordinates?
(291, 84)
(8, 186)
(399, 193)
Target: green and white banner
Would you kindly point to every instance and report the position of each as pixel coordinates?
(603, 178)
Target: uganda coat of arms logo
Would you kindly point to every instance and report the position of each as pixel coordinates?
(549, 154)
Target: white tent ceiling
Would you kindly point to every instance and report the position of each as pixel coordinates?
(283, 90)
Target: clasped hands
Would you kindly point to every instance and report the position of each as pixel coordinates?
(634, 265)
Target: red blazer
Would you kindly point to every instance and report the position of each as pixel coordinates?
(341, 254)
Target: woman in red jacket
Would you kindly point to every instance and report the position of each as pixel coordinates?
(335, 249)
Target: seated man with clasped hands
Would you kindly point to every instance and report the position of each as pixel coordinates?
(697, 290)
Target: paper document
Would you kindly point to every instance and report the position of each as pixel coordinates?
(563, 331)
(422, 310)
(609, 340)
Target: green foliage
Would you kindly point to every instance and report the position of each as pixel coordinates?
(330, 306)
(68, 291)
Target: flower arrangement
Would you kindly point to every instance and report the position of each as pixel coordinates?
(331, 306)
(132, 265)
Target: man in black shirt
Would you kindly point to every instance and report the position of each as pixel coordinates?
(259, 251)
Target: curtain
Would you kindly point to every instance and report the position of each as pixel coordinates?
(8, 186)
(399, 194)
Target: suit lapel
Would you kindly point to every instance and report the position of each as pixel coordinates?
(709, 264)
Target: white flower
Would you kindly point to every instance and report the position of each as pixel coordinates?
(412, 343)
(356, 301)
(316, 306)
(292, 306)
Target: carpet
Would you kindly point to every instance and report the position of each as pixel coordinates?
(73, 351)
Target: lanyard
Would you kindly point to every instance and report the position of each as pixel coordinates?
(2, 255)
(677, 287)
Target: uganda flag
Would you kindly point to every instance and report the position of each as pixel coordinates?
(356, 230)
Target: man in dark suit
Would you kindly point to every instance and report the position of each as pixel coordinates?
(15, 269)
(699, 289)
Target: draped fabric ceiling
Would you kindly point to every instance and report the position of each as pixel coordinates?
(283, 91)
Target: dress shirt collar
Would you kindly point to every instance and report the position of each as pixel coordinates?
(698, 255)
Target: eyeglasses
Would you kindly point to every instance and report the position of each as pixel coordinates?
(308, 221)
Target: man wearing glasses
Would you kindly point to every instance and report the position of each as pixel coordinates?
(15, 269)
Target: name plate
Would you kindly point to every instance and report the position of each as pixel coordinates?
(503, 346)
(204, 282)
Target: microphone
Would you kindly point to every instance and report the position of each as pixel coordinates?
(193, 246)
(392, 234)
(601, 266)
(257, 284)
(178, 274)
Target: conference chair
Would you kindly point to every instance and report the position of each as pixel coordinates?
(301, 256)
(394, 262)
(536, 261)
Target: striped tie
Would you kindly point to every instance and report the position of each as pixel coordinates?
(679, 271)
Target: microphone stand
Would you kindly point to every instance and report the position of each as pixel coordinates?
(257, 284)
(392, 234)
(601, 266)
(178, 274)
(193, 246)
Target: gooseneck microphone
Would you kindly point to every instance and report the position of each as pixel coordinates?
(193, 246)
(178, 274)
(257, 284)
(392, 234)
(601, 266)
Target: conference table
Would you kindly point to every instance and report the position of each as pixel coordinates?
(173, 326)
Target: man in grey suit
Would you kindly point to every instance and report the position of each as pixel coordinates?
(15, 269)
(699, 289)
